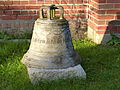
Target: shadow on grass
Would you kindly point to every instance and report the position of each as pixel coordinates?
(101, 64)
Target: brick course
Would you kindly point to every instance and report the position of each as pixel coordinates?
(19, 10)
(103, 15)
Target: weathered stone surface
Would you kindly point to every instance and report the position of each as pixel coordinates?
(98, 38)
(37, 75)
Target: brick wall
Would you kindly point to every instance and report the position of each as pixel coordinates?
(104, 18)
(19, 15)
(101, 16)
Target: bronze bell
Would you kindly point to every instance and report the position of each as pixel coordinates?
(51, 54)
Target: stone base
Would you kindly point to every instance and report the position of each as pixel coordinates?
(37, 75)
(98, 38)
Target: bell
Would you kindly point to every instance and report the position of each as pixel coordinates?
(51, 54)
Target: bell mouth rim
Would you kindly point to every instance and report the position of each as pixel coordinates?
(28, 62)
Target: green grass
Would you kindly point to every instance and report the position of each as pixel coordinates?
(101, 63)
(6, 36)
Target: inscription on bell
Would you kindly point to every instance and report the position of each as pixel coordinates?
(50, 40)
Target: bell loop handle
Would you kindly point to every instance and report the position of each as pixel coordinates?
(51, 12)
(62, 12)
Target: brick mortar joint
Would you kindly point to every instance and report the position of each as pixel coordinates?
(101, 14)
(102, 19)
(105, 9)
(103, 3)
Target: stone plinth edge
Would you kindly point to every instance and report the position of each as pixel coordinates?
(37, 75)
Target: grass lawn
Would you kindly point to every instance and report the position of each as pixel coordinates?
(101, 63)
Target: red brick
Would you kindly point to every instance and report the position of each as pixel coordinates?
(36, 17)
(32, 2)
(16, 12)
(102, 27)
(24, 2)
(98, 22)
(113, 1)
(39, 2)
(16, 2)
(64, 2)
(4, 7)
(0, 17)
(17, 7)
(25, 17)
(91, 18)
(101, 11)
(86, 1)
(94, 5)
(73, 11)
(92, 25)
(81, 11)
(48, 2)
(58, 2)
(8, 17)
(100, 1)
(83, 16)
(97, 11)
(117, 5)
(8, 12)
(2, 2)
(67, 6)
(106, 6)
(8, 2)
(93, 9)
(67, 16)
(94, 15)
(66, 11)
(78, 1)
(24, 12)
(102, 32)
(32, 7)
(112, 11)
(32, 12)
(117, 17)
(106, 17)
(1, 13)
(71, 2)
(79, 7)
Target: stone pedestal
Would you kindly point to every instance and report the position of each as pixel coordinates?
(37, 75)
